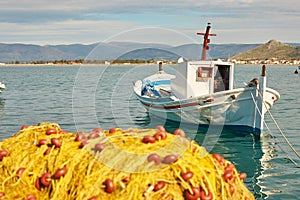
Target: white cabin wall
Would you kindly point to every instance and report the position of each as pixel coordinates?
(188, 85)
(179, 83)
(184, 88)
(196, 88)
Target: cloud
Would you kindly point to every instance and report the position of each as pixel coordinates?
(47, 9)
(88, 20)
(28, 11)
(61, 32)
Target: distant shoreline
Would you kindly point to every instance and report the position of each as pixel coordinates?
(117, 64)
(75, 65)
(36, 65)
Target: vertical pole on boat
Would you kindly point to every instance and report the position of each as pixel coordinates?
(205, 41)
(160, 67)
(260, 101)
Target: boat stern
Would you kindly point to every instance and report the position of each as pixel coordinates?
(2, 86)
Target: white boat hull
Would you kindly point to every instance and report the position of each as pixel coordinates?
(236, 108)
(2, 87)
(202, 92)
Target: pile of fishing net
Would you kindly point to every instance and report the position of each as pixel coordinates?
(45, 162)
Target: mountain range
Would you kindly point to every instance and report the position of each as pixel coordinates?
(121, 50)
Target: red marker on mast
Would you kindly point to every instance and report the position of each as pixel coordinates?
(206, 41)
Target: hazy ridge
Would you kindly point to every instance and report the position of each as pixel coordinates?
(143, 51)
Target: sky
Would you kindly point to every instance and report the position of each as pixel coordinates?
(172, 22)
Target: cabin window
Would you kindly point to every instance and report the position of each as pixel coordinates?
(203, 74)
(221, 79)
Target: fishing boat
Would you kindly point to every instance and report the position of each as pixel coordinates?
(202, 92)
(2, 87)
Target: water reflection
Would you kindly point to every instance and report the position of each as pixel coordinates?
(1, 104)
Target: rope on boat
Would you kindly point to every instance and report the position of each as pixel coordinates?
(150, 106)
(283, 135)
(286, 154)
(279, 129)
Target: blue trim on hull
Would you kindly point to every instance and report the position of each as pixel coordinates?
(162, 82)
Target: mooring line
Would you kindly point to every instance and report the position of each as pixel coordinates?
(280, 130)
(283, 135)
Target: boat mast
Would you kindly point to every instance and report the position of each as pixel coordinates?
(206, 41)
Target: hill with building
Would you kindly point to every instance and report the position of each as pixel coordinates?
(271, 50)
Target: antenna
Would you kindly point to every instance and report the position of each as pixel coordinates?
(206, 41)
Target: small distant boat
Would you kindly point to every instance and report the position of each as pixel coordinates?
(201, 92)
(2, 87)
(299, 67)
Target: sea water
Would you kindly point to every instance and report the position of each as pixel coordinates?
(81, 98)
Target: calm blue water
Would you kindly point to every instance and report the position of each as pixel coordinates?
(81, 98)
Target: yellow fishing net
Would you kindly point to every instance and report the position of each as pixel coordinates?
(44, 162)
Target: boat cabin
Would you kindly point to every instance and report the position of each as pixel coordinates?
(197, 78)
